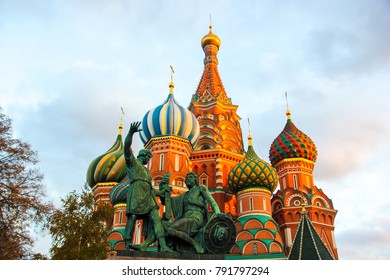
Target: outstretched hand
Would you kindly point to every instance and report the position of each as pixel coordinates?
(164, 184)
(165, 179)
(134, 127)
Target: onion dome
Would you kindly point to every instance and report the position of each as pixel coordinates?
(211, 38)
(292, 143)
(118, 194)
(170, 119)
(110, 166)
(252, 172)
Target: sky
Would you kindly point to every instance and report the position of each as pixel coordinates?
(67, 67)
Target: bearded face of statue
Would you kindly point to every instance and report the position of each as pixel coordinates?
(190, 180)
(144, 156)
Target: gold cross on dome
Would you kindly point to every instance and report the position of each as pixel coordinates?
(172, 72)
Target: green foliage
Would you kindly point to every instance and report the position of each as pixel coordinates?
(21, 195)
(39, 256)
(78, 232)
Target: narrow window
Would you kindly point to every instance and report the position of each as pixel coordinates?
(137, 238)
(251, 203)
(177, 163)
(255, 249)
(287, 233)
(161, 162)
(295, 182)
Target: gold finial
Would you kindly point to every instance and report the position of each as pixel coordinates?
(171, 84)
(121, 123)
(249, 134)
(211, 38)
(288, 112)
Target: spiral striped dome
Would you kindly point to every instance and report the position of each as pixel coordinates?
(252, 172)
(118, 194)
(292, 143)
(108, 167)
(170, 119)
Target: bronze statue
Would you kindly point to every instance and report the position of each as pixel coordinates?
(190, 228)
(191, 213)
(141, 200)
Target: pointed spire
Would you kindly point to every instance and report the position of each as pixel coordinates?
(171, 84)
(307, 244)
(288, 112)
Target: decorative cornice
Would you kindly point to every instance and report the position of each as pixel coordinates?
(120, 205)
(107, 184)
(168, 137)
(216, 153)
(290, 160)
(240, 192)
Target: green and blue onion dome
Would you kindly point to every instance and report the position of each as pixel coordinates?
(252, 172)
(110, 166)
(118, 193)
(170, 119)
(292, 143)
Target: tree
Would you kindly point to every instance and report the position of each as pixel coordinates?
(21, 194)
(78, 232)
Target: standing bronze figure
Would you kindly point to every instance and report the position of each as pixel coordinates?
(141, 201)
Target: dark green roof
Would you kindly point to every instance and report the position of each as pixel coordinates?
(307, 243)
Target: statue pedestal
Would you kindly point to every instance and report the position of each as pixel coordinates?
(148, 255)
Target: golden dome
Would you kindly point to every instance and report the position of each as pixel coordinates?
(211, 38)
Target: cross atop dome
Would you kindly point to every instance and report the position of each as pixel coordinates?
(171, 84)
(288, 112)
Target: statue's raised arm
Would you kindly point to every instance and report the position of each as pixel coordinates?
(134, 128)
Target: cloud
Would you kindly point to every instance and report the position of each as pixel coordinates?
(369, 241)
(80, 120)
(341, 48)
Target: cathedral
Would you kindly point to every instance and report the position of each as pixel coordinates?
(278, 211)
